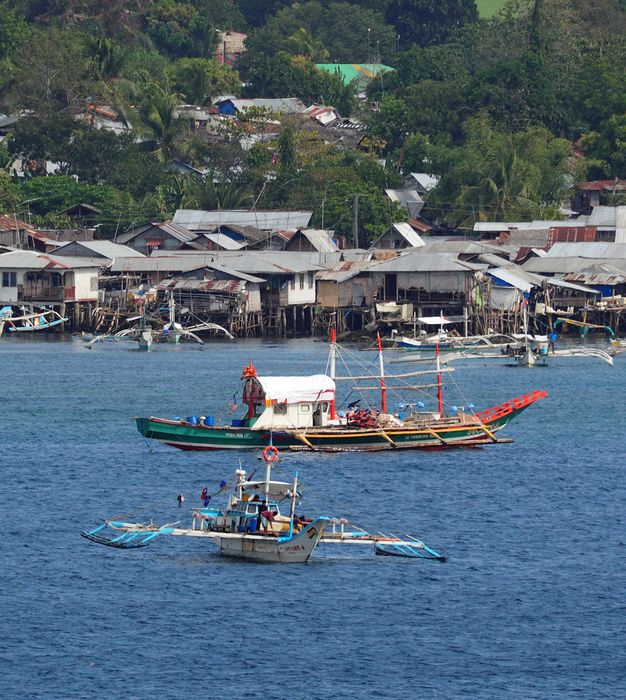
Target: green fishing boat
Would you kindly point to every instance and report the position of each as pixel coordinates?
(300, 413)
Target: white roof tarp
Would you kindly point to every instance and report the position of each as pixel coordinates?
(434, 320)
(513, 278)
(317, 387)
(277, 489)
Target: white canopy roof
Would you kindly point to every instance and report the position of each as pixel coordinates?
(317, 387)
(434, 320)
(277, 489)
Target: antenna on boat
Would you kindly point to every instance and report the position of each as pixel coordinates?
(439, 384)
(381, 365)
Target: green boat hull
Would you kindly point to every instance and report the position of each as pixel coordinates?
(438, 434)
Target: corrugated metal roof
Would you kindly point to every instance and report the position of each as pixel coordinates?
(222, 286)
(23, 260)
(407, 198)
(275, 262)
(553, 265)
(596, 278)
(345, 271)
(600, 185)
(410, 235)
(320, 239)
(74, 262)
(27, 260)
(224, 241)
(105, 249)
(523, 280)
(160, 263)
(426, 181)
(10, 223)
(602, 217)
(199, 220)
(520, 279)
(587, 250)
(424, 262)
(283, 105)
(233, 272)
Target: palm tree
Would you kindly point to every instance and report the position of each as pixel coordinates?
(502, 185)
(303, 44)
(162, 124)
(213, 196)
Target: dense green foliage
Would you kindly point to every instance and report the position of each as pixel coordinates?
(509, 110)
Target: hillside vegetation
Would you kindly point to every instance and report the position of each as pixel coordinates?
(509, 110)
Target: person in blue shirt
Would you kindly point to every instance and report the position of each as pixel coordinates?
(552, 338)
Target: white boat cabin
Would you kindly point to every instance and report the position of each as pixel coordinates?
(277, 403)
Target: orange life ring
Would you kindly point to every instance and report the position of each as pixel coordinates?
(270, 453)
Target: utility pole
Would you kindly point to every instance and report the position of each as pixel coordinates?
(355, 220)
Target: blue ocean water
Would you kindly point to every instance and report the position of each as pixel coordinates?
(530, 604)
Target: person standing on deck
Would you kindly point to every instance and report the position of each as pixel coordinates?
(552, 338)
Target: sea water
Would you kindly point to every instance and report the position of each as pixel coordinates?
(530, 604)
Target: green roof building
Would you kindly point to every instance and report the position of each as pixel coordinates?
(363, 73)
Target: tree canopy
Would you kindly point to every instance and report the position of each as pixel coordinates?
(508, 110)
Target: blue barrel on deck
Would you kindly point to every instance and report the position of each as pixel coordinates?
(192, 420)
(210, 421)
(237, 423)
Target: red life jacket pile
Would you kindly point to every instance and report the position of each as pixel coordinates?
(362, 418)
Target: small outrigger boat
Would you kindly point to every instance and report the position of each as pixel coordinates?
(145, 334)
(300, 413)
(251, 526)
(29, 323)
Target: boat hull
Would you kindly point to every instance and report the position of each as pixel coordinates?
(439, 434)
(288, 550)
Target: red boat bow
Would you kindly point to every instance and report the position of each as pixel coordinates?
(504, 409)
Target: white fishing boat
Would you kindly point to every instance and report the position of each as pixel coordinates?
(253, 526)
(144, 334)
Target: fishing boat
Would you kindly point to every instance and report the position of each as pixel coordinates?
(28, 323)
(251, 525)
(144, 334)
(301, 413)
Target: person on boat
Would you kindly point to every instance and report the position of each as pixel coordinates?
(204, 496)
(181, 500)
(267, 518)
(552, 338)
(262, 508)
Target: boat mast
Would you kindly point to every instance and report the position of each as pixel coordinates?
(172, 309)
(332, 362)
(381, 365)
(268, 473)
(439, 384)
(293, 503)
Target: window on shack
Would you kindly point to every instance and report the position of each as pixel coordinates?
(9, 279)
